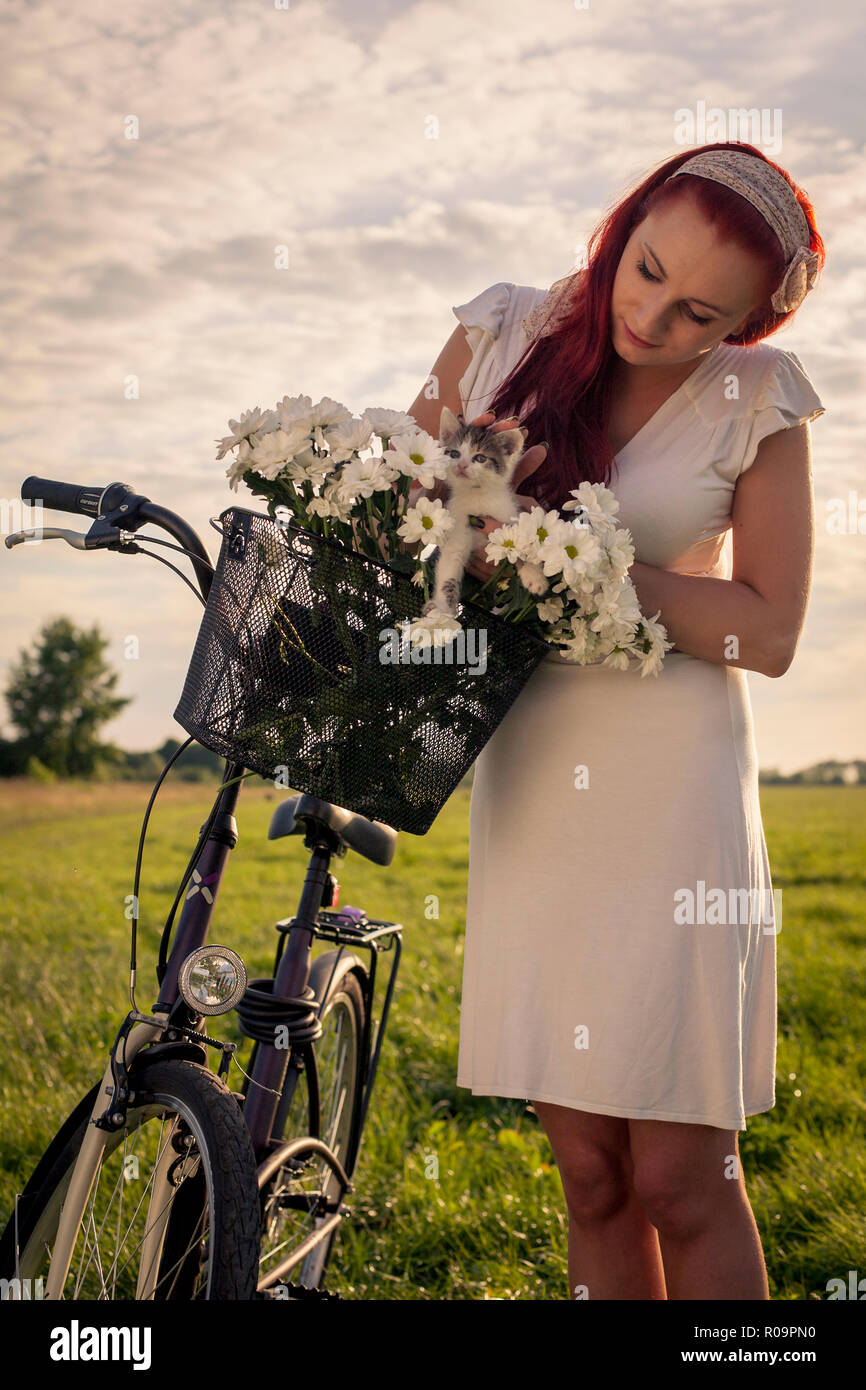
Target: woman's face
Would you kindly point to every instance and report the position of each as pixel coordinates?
(680, 289)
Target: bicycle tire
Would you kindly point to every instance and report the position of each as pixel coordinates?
(344, 993)
(225, 1172)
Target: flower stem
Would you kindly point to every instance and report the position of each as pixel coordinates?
(524, 610)
(497, 574)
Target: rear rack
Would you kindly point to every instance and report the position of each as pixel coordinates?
(347, 929)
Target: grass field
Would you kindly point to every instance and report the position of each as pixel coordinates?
(493, 1224)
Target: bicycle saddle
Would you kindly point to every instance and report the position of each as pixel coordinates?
(371, 838)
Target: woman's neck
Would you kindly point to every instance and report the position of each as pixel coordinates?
(650, 380)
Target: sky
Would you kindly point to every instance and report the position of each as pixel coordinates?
(406, 156)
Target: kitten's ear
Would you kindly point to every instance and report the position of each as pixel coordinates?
(511, 443)
(449, 425)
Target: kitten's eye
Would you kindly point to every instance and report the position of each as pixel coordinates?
(452, 453)
(479, 458)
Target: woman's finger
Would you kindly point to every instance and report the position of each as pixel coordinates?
(530, 461)
(478, 565)
(488, 418)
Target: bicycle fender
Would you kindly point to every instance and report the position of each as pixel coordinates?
(184, 1048)
(323, 967)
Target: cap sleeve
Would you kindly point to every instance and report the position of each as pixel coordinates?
(485, 311)
(785, 399)
(482, 318)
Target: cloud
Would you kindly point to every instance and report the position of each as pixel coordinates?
(407, 156)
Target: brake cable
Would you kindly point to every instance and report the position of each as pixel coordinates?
(132, 547)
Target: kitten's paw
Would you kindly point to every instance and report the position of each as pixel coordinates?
(431, 606)
(532, 577)
(439, 614)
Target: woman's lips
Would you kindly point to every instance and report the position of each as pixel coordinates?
(639, 342)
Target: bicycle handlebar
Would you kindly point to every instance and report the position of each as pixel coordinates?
(66, 497)
(121, 507)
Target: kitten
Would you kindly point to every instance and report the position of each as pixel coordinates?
(479, 468)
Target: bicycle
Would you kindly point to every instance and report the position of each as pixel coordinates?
(231, 1191)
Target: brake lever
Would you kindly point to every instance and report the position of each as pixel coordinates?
(76, 539)
(116, 540)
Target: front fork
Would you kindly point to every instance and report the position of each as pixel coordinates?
(88, 1159)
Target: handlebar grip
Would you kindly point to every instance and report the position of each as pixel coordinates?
(62, 497)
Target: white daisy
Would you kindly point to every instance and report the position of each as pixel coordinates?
(650, 662)
(273, 449)
(534, 529)
(427, 521)
(362, 477)
(551, 610)
(293, 408)
(250, 422)
(616, 603)
(347, 437)
(331, 504)
(572, 555)
(618, 659)
(503, 544)
(417, 456)
(620, 550)
(574, 648)
(308, 467)
(389, 423)
(327, 413)
(600, 503)
(240, 465)
(559, 533)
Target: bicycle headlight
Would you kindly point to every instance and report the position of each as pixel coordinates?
(212, 979)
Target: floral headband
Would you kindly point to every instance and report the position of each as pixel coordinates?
(765, 188)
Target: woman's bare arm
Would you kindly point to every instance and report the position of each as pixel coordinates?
(753, 619)
(441, 388)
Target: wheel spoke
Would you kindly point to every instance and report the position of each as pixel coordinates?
(196, 1240)
(119, 1182)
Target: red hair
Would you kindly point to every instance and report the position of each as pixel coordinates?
(565, 377)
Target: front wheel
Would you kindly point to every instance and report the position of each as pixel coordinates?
(173, 1209)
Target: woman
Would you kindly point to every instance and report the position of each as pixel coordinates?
(608, 809)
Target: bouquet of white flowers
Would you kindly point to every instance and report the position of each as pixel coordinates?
(297, 672)
(318, 464)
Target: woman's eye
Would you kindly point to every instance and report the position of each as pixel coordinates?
(642, 267)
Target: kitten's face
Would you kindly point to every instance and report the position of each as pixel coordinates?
(476, 455)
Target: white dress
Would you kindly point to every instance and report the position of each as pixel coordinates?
(583, 984)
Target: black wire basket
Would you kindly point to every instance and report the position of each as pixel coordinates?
(302, 672)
